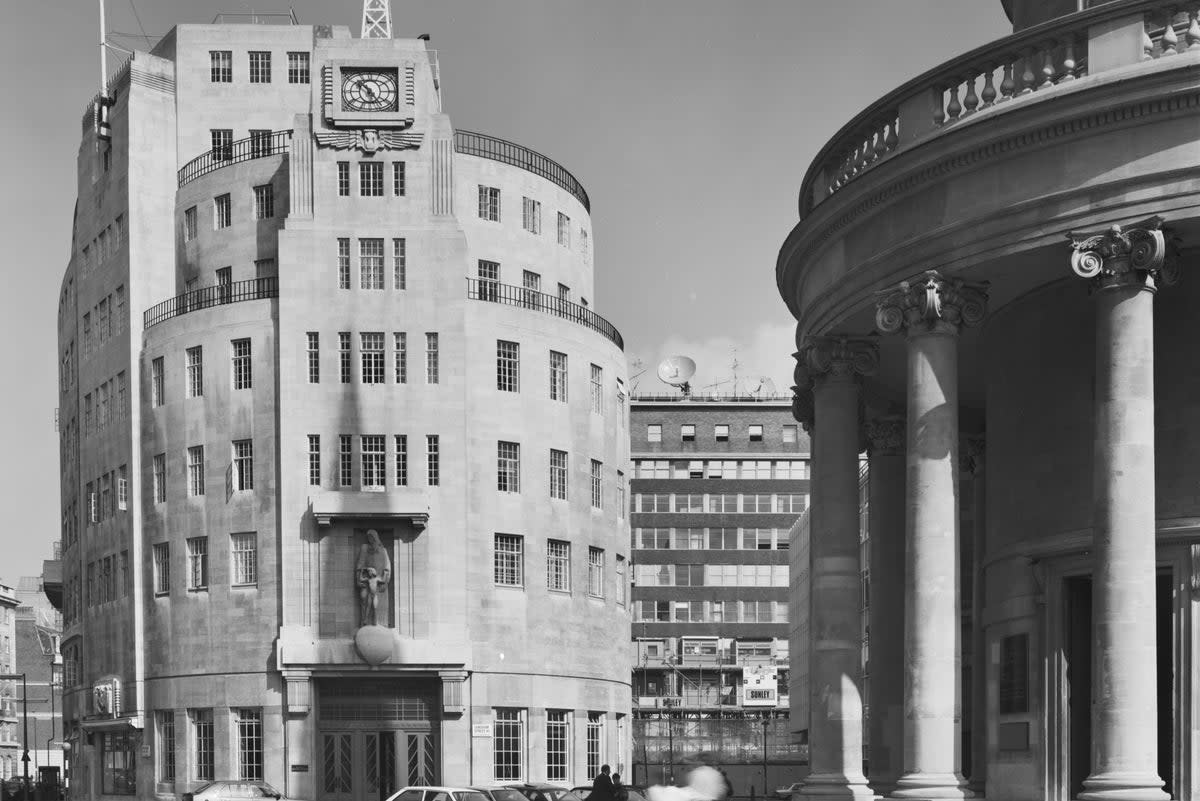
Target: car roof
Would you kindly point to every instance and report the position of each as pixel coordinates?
(438, 787)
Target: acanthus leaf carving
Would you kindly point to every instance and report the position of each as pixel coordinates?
(931, 303)
(1122, 255)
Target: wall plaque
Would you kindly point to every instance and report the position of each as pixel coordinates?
(1014, 674)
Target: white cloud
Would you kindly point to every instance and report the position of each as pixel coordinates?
(763, 356)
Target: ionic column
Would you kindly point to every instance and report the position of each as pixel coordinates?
(834, 366)
(979, 750)
(885, 517)
(931, 311)
(1125, 266)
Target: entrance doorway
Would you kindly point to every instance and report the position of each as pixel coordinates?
(1078, 654)
(375, 737)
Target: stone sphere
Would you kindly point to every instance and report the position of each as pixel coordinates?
(374, 644)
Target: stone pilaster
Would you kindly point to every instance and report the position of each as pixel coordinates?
(833, 367)
(885, 611)
(1125, 265)
(976, 462)
(931, 310)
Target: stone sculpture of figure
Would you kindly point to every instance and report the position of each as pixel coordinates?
(372, 573)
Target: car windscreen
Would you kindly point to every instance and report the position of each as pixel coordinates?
(505, 794)
(409, 795)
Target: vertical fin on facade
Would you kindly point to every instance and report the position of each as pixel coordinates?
(300, 165)
(441, 136)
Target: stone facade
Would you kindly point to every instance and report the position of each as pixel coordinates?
(323, 322)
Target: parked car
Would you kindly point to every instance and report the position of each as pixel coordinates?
(232, 790)
(545, 792)
(504, 792)
(635, 792)
(429, 793)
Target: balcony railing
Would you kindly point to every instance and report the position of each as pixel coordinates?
(255, 147)
(1035, 60)
(209, 296)
(509, 295)
(489, 147)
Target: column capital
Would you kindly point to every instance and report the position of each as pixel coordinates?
(836, 357)
(1125, 255)
(931, 304)
(886, 435)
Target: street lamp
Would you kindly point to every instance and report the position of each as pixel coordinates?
(24, 725)
(56, 670)
(765, 721)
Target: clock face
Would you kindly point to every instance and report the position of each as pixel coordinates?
(369, 90)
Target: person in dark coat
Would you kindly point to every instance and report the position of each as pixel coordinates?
(620, 791)
(602, 786)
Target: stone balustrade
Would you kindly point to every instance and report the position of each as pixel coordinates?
(1036, 60)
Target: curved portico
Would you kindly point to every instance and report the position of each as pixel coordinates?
(1043, 579)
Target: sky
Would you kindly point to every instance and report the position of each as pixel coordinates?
(689, 122)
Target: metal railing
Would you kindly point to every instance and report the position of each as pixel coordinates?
(509, 295)
(1031, 61)
(712, 397)
(254, 147)
(489, 147)
(256, 18)
(209, 296)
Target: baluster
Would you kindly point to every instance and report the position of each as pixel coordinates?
(1169, 40)
(954, 109)
(872, 148)
(1027, 76)
(891, 139)
(1147, 42)
(939, 113)
(989, 91)
(1068, 59)
(861, 161)
(971, 100)
(1193, 31)
(1007, 85)
(1048, 66)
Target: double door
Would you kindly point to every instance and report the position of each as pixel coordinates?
(371, 764)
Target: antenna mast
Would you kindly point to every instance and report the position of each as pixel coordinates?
(377, 19)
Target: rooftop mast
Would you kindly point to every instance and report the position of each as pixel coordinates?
(377, 19)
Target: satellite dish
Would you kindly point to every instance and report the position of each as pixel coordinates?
(676, 370)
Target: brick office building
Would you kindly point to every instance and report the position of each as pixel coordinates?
(302, 308)
(717, 484)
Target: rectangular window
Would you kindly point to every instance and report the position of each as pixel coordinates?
(314, 460)
(298, 67)
(558, 376)
(370, 263)
(194, 359)
(374, 462)
(195, 467)
(431, 358)
(162, 568)
(243, 465)
(242, 370)
(433, 470)
(345, 460)
(343, 168)
(558, 742)
(687, 432)
(159, 478)
(314, 357)
(401, 460)
(622, 583)
(508, 745)
(221, 64)
(789, 435)
(370, 179)
(370, 353)
(531, 215)
(721, 433)
(243, 559)
(204, 742)
(400, 357)
(197, 563)
(558, 565)
(343, 263)
(344, 356)
(531, 284)
(597, 485)
(489, 203)
(264, 202)
(122, 313)
(249, 743)
(756, 433)
(597, 389)
(596, 572)
(260, 66)
(595, 742)
(508, 467)
(558, 474)
(156, 383)
(118, 763)
(222, 211)
(564, 230)
(509, 561)
(399, 263)
(508, 366)
(165, 734)
(489, 280)
(123, 488)
(222, 143)
(564, 293)
(398, 178)
(189, 224)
